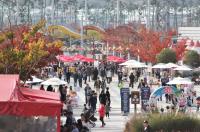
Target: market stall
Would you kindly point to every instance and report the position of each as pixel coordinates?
(20, 103)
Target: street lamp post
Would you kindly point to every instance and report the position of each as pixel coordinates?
(82, 30)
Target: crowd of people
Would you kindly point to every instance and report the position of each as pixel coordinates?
(95, 82)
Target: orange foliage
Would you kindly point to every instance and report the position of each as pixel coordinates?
(145, 43)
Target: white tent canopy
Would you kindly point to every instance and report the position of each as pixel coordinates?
(133, 64)
(171, 65)
(54, 81)
(180, 80)
(129, 62)
(35, 80)
(137, 65)
(160, 66)
(183, 68)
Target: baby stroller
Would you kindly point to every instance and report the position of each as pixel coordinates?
(89, 115)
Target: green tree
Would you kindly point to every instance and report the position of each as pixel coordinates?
(192, 59)
(166, 55)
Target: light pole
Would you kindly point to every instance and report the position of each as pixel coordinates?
(118, 13)
(82, 30)
(86, 17)
(148, 17)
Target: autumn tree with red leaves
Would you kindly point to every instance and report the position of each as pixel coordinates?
(25, 49)
(122, 36)
(142, 42)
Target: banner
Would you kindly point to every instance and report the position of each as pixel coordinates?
(125, 102)
(145, 95)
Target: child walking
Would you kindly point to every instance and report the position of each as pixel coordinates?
(102, 114)
(107, 110)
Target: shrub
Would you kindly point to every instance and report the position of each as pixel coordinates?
(192, 58)
(164, 123)
(166, 56)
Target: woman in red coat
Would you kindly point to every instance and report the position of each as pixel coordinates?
(102, 114)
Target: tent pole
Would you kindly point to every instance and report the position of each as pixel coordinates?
(58, 122)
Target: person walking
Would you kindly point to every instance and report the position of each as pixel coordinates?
(85, 76)
(102, 114)
(109, 76)
(89, 71)
(120, 76)
(97, 85)
(147, 127)
(108, 96)
(95, 74)
(75, 79)
(87, 87)
(50, 88)
(103, 73)
(141, 84)
(138, 74)
(103, 84)
(93, 101)
(102, 98)
(68, 74)
(42, 87)
(107, 108)
(80, 77)
(132, 79)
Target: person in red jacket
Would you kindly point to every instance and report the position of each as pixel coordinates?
(102, 114)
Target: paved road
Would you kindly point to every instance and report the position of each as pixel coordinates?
(117, 121)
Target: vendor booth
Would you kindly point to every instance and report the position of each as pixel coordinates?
(25, 106)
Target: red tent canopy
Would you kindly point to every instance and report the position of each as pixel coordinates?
(78, 57)
(87, 60)
(27, 102)
(115, 59)
(65, 58)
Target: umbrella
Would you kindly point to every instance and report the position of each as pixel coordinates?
(183, 68)
(171, 65)
(180, 80)
(35, 80)
(160, 66)
(54, 81)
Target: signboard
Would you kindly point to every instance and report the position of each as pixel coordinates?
(135, 97)
(145, 93)
(125, 103)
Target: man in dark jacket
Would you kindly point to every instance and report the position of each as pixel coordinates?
(147, 128)
(95, 74)
(75, 79)
(68, 74)
(132, 79)
(102, 98)
(93, 101)
(108, 96)
(80, 77)
(120, 76)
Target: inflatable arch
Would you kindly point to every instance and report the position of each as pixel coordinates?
(64, 30)
(160, 91)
